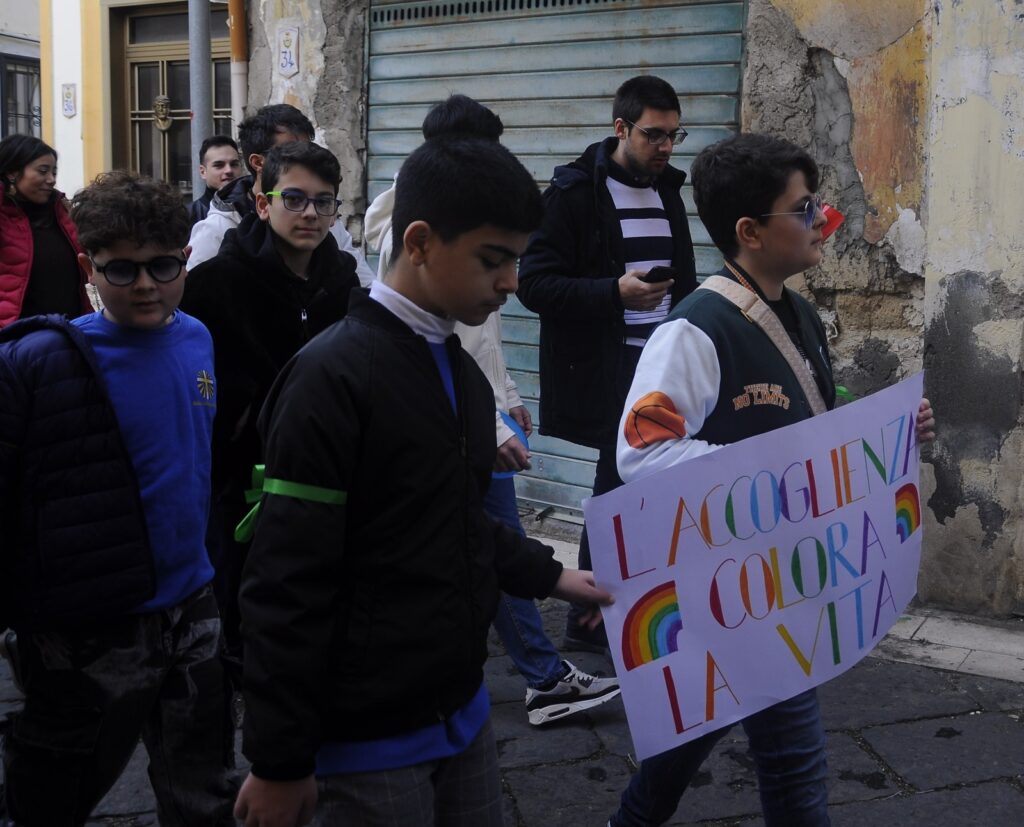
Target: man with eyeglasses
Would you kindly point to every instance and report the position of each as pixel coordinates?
(278, 280)
(612, 257)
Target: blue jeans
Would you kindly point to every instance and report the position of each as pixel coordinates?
(788, 744)
(518, 622)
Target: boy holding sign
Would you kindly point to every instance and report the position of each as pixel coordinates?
(740, 357)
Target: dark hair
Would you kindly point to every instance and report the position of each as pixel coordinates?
(256, 133)
(458, 183)
(211, 142)
(18, 151)
(461, 115)
(321, 162)
(641, 92)
(740, 177)
(125, 206)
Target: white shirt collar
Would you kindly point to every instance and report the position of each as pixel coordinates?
(432, 328)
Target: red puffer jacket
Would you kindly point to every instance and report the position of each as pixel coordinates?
(16, 254)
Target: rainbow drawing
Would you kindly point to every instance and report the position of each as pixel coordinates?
(650, 629)
(908, 511)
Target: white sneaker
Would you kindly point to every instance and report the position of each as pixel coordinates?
(573, 693)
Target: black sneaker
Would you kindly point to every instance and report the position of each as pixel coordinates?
(573, 693)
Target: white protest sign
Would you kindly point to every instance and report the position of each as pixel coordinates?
(748, 575)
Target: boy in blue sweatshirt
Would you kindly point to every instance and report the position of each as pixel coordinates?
(105, 427)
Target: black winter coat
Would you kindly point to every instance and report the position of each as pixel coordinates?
(259, 315)
(369, 618)
(569, 275)
(73, 542)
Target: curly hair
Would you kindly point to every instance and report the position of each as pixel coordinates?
(124, 206)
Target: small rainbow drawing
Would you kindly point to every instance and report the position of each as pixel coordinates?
(650, 629)
(908, 511)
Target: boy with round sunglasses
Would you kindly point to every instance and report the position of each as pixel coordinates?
(105, 428)
(710, 376)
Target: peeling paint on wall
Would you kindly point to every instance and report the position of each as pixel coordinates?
(974, 270)
(328, 89)
(870, 284)
(914, 113)
(852, 30)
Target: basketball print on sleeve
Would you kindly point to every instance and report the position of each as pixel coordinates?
(653, 419)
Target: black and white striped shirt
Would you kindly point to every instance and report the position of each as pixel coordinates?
(647, 243)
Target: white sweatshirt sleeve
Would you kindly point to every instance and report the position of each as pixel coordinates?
(674, 390)
(344, 239)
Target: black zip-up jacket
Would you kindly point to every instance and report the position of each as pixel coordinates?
(569, 276)
(199, 208)
(259, 315)
(74, 548)
(235, 195)
(368, 619)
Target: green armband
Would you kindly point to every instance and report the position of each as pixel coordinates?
(297, 490)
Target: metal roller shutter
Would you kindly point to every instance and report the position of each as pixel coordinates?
(550, 68)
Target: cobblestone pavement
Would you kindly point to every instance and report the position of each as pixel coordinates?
(908, 745)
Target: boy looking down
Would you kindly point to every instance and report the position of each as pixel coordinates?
(374, 573)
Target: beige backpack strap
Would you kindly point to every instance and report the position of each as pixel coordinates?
(759, 313)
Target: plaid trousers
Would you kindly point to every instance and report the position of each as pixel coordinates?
(461, 791)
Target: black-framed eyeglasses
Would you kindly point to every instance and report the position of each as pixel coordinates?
(809, 212)
(121, 272)
(297, 201)
(656, 137)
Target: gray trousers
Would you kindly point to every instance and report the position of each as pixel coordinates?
(461, 791)
(91, 692)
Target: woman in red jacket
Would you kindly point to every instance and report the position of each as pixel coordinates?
(39, 270)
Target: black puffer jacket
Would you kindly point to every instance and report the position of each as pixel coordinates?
(369, 618)
(74, 547)
(569, 275)
(259, 315)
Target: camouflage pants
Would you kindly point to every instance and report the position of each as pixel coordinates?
(90, 694)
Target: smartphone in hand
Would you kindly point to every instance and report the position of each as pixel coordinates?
(656, 274)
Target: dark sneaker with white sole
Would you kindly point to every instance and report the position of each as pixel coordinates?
(573, 693)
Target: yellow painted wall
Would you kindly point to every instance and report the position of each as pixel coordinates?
(976, 145)
(46, 69)
(881, 47)
(974, 278)
(94, 103)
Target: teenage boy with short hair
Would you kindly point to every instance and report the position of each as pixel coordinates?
(278, 281)
(756, 194)
(374, 573)
(218, 164)
(556, 688)
(270, 126)
(105, 427)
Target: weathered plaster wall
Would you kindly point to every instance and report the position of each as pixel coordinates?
(974, 308)
(913, 109)
(847, 81)
(329, 86)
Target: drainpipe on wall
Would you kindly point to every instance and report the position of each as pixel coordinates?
(200, 83)
(238, 22)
